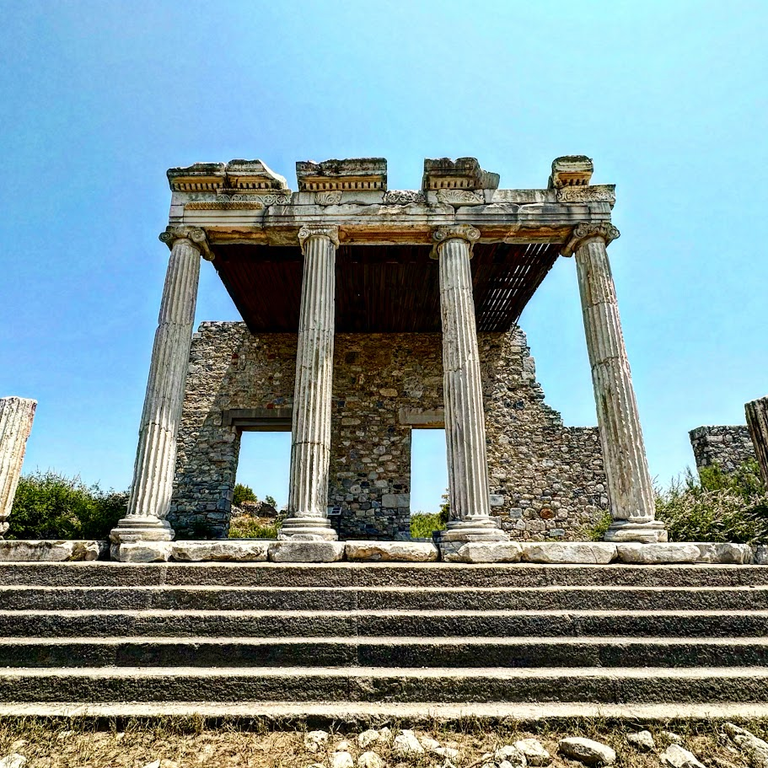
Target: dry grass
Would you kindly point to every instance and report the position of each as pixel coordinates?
(179, 743)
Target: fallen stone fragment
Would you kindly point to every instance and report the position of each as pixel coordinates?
(14, 760)
(430, 745)
(370, 760)
(343, 746)
(534, 751)
(314, 741)
(756, 749)
(641, 740)
(586, 751)
(671, 736)
(511, 755)
(366, 738)
(676, 756)
(406, 744)
(342, 760)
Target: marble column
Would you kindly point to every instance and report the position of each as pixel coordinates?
(156, 453)
(311, 428)
(16, 416)
(470, 517)
(630, 491)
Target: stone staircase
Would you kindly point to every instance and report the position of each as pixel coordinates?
(381, 641)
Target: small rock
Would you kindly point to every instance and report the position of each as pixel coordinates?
(314, 741)
(675, 756)
(755, 748)
(534, 751)
(510, 754)
(344, 746)
(448, 752)
(430, 745)
(370, 760)
(672, 737)
(14, 760)
(366, 738)
(342, 760)
(385, 734)
(587, 751)
(641, 740)
(406, 744)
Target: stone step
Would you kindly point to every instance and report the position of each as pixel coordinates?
(425, 623)
(378, 575)
(382, 598)
(332, 714)
(384, 652)
(619, 685)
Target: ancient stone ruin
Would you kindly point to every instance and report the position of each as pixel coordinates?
(16, 416)
(370, 312)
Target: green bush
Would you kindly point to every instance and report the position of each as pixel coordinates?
(48, 505)
(423, 524)
(245, 527)
(716, 506)
(242, 493)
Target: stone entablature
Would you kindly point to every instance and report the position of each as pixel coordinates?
(546, 480)
(727, 446)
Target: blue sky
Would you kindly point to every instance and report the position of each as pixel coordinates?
(98, 99)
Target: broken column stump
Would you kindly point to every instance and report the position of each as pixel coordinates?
(16, 415)
(757, 421)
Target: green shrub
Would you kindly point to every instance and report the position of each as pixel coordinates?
(423, 524)
(48, 505)
(597, 531)
(716, 506)
(246, 527)
(242, 493)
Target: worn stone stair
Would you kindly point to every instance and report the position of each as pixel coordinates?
(376, 641)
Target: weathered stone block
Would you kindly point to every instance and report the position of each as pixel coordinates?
(569, 552)
(49, 551)
(396, 499)
(659, 553)
(242, 550)
(725, 553)
(142, 551)
(481, 552)
(407, 551)
(306, 551)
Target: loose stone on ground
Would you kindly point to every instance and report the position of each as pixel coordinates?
(586, 751)
(642, 740)
(675, 756)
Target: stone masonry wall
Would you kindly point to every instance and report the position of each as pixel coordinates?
(546, 479)
(727, 446)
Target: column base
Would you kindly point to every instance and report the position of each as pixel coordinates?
(140, 528)
(307, 529)
(650, 532)
(473, 528)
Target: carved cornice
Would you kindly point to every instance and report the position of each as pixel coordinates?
(194, 235)
(404, 197)
(585, 231)
(460, 197)
(318, 230)
(465, 232)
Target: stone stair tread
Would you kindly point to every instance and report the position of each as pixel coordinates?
(510, 673)
(452, 640)
(419, 713)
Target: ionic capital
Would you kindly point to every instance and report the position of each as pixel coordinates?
(329, 231)
(195, 235)
(585, 231)
(465, 232)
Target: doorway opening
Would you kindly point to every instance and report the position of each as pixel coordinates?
(429, 481)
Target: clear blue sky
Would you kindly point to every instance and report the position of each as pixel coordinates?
(97, 99)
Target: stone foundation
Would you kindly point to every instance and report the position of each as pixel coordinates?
(727, 446)
(546, 479)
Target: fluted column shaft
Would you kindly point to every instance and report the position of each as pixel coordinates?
(156, 453)
(630, 490)
(462, 390)
(16, 416)
(312, 400)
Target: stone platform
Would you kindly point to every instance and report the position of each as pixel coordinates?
(263, 550)
(359, 641)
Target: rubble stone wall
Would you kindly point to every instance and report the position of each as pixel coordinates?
(546, 479)
(727, 446)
